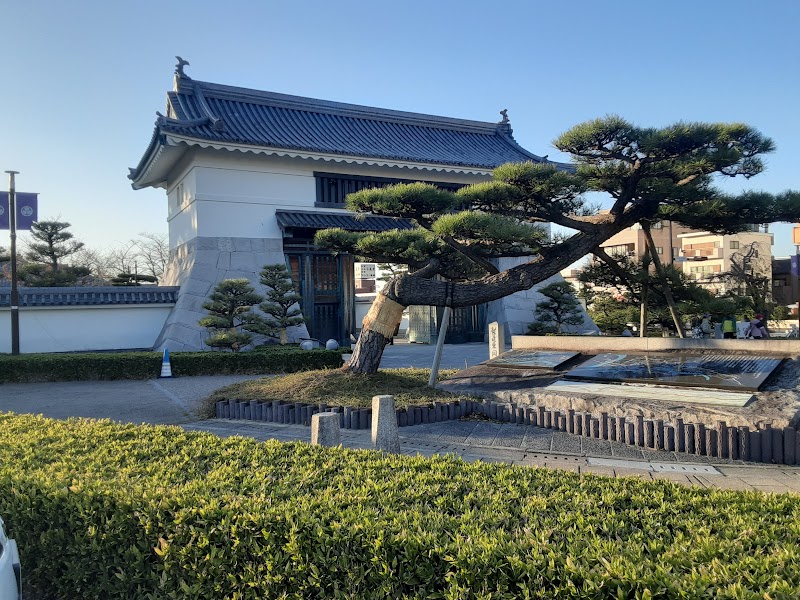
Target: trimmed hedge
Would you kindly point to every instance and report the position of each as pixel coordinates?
(147, 365)
(103, 510)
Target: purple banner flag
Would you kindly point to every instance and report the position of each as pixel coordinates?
(795, 265)
(27, 210)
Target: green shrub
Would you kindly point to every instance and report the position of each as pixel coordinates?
(109, 511)
(147, 365)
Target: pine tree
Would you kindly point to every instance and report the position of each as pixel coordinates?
(559, 306)
(52, 243)
(648, 173)
(230, 310)
(280, 304)
(132, 279)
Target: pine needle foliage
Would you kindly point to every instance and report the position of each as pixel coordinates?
(559, 306)
(230, 310)
(280, 305)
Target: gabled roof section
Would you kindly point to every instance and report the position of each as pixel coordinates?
(221, 116)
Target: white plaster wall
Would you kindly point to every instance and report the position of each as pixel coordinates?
(230, 194)
(517, 311)
(79, 328)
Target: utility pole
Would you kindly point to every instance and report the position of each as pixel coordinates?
(12, 221)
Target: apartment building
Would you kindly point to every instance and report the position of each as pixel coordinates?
(631, 242)
(703, 256)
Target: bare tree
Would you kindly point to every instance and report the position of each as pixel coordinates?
(153, 253)
(749, 276)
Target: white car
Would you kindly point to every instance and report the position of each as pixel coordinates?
(10, 572)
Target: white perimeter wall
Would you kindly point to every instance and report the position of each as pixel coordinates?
(76, 328)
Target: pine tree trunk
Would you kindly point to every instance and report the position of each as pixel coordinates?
(673, 310)
(368, 352)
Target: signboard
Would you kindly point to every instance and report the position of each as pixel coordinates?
(796, 235)
(532, 359)
(721, 371)
(27, 210)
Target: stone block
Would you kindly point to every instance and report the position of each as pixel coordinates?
(244, 261)
(699, 439)
(670, 438)
(789, 445)
(224, 260)
(384, 424)
(196, 287)
(711, 442)
(206, 258)
(209, 273)
(242, 244)
(364, 418)
(766, 444)
(649, 438)
(630, 433)
(348, 417)
(402, 419)
(680, 436)
(777, 446)
(325, 429)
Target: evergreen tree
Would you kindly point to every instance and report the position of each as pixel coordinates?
(559, 306)
(51, 244)
(229, 308)
(132, 279)
(648, 173)
(280, 303)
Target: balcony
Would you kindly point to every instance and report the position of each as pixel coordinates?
(701, 253)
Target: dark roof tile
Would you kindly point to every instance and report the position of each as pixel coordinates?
(225, 114)
(91, 296)
(348, 221)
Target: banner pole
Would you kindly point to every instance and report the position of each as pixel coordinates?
(12, 221)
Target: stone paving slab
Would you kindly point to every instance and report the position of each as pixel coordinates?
(427, 441)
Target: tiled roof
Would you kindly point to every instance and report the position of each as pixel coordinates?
(322, 220)
(91, 296)
(219, 115)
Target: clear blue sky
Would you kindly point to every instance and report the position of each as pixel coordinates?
(82, 80)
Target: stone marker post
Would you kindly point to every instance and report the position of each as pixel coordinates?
(497, 339)
(325, 429)
(385, 435)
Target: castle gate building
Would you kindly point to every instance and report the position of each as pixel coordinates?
(251, 175)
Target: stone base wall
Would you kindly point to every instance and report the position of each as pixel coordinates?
(600, 344)
(197, 266)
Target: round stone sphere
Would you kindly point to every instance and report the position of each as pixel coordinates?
(307, 345)
(331, 345)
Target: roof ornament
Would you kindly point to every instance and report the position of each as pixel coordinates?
(504, 114)
(179, 67)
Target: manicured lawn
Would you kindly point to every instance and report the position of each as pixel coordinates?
(341, 388)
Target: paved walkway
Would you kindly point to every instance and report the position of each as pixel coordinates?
(532, 446)
(176, 402)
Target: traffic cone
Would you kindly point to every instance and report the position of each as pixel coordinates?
(166, 367)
